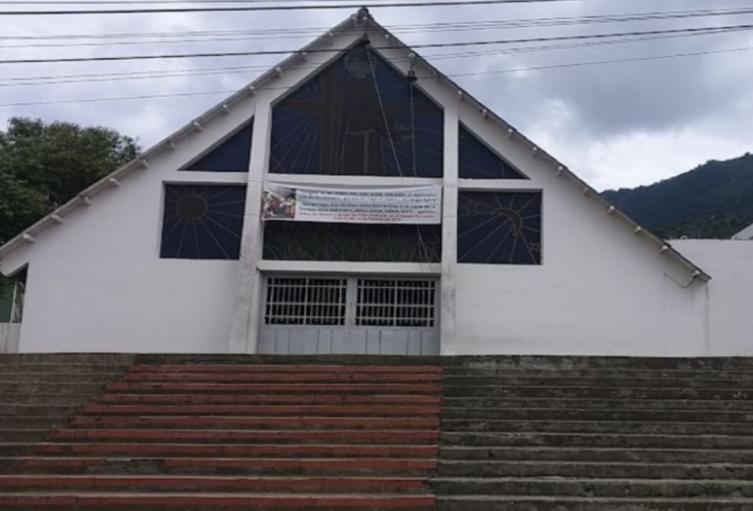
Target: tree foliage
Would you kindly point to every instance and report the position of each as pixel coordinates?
(43, 165)
(711, 201)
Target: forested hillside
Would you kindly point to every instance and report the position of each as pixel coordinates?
(714, 200)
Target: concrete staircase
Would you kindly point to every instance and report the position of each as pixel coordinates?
(195, 433)
(192, 433)
(587, 434)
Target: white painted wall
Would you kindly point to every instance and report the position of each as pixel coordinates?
(730, 293)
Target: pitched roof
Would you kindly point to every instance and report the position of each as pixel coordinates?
(362, 18)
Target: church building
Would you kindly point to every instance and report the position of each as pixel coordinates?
(354, 199)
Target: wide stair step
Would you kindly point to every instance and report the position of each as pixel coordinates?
(288, 484)
(258, 422)
(214, 501)
(687, 454)
(598, 487)
(278, 388)
(210, 449)
(217, 465)
(249, 436)
(596, 469)
(587, 503)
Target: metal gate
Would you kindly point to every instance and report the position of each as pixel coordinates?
(358, 314)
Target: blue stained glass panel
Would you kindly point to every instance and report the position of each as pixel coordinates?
(358, 116)
(232, 155)
(477, 161)
(202, 221)
(499, 227)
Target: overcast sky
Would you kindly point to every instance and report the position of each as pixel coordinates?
(619, 124)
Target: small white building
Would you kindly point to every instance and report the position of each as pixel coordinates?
(355, 200)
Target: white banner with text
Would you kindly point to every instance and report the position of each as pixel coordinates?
(363, 205)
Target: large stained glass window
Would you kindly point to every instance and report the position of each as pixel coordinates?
(202, 221)
(477, 161)
(499, 227)
(231, 155)
(358, 116)
(315, 241)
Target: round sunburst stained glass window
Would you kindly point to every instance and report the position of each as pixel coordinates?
(202, 221)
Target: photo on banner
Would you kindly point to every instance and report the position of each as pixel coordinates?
(279, 203)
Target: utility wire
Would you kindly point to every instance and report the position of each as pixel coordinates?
(695, 30)
(279, 33)
(438, 26)
(208, 71)
(505, 23)
(351, 6)
(497, 71)
(520, 22)
(153, 2)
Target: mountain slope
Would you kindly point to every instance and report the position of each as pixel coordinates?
(714, 200)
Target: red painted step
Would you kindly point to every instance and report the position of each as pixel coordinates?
(235, 435)
(187, 500)
(304, 399)
(236, 450)
(250, 377)
(282, 388)
(295, 465)
(214, 421)
(256, 410)
(286, 368)
(291, 484)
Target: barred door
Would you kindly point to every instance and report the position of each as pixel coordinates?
(359, 314)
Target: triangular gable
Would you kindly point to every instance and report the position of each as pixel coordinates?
(363, 19)
(231, 155)
(478, 161)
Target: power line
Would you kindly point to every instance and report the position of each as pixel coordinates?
(515, 23)
(279, 33)
(497, 71)
(606, 61)
(118, 98)
(179, 73)
(351, 6)
(153, 2)
(696, 30)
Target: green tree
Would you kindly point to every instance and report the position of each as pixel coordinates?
(43, 165)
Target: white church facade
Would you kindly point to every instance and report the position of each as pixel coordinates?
(355, 200)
